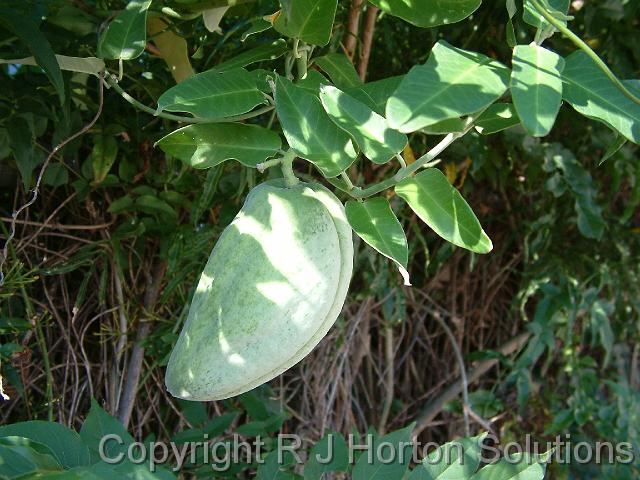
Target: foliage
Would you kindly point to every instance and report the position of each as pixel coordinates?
(49, 450)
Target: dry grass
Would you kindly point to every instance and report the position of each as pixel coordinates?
(365, 372)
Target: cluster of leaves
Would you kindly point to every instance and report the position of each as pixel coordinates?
(49, 450)
(330, 125)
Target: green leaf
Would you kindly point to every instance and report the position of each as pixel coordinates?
(21, 142)
(533, 18)
(590, 221)
(28, 32)
(97, 425)
(272, 469)
(385, 463)
(440, 205)
(518, 467)
(450, 125)
(591, 93)
(309, 20)
(214, 94)
(194, 412)
(589, 213)
(372, 134)
(312, 82)
(207, 145)
(374, 222)
(613, 149)
(536, 87)
(309, 130)
(152, 205)
(452, 83)
(458, 459)
(217, 426)
(107, 471)
(13, 325)
(330, 454)
(20, 456)
(84, 256)
(204, 198)
(5, 147)
(55, 175)
(121, 204)
(601, 327)
(375, 94)
(340, 70)
(91, 65)
(497, 117)
(126, 36)
(65, 445)
(429, 14)
(103, 156)
(511, 33)
(73, 19)
(258, 25)
(270, 51)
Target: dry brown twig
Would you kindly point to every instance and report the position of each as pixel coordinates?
(367, 40)
(353, 25)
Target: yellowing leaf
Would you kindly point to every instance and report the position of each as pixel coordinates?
(172, 48)
(451, 172)
(409, 156)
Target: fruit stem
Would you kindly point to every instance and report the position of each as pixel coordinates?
(287, 168)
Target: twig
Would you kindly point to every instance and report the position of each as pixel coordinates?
(367, 40)
(433, 408)
(427, 160)
(122, 337)
(463, 372)
(353, 25)
(57, 226)
(634, 376)
(137, 355)
(486, 425)
(34, 197)
(389, 380)
(42, 344)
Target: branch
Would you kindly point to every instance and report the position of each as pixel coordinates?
(428, 159)
(464, 381)
(351, 35)
(578, 42)
(367, 40)
(434, 407)
(134, 368)
(389, 379)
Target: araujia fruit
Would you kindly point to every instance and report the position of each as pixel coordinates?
(273, 287)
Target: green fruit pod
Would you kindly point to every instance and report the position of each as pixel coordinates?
(272, 288)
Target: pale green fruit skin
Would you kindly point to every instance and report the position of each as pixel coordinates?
(273, 286)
